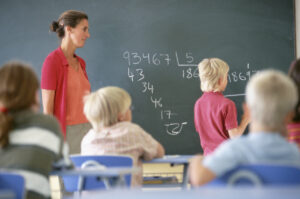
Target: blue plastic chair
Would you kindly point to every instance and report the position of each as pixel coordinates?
(13, 182)
(260, 175)
(76, 184)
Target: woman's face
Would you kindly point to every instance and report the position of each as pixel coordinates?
(80, 33)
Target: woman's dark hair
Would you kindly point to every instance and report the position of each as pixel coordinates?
(68, 18)
(18, 87)
(294, 73)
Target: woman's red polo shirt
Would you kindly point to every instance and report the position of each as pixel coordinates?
(55, 77)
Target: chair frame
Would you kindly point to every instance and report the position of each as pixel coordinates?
(260, 175)
(99, 161)
(10, 181)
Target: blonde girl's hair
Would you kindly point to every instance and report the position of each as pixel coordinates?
(18, 87)
(210, 71)
(103, 106)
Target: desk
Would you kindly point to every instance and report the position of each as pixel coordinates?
(117, 173)
(175, 160)
(7, 194)
(203, 193)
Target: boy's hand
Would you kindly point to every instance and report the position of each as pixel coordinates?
(246, 115)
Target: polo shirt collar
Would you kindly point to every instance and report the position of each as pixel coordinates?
(213, 93)
(63, 57)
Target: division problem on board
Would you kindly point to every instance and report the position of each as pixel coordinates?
(137, 75)
(137, 61)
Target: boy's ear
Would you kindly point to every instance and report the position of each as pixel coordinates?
(289, 117)
(120, 117)
(220, 81)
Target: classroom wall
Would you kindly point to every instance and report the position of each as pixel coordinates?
(297, 16)
(154, 56)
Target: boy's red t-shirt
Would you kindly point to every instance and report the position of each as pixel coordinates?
(214, 115)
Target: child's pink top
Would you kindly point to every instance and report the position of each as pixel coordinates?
(123, 138)
(214, 115)
(294, 133)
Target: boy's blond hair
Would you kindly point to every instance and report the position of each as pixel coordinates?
(103, 106)
(210, 71)
(270, 96)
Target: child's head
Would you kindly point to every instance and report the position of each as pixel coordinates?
(271, 96)
(18, 86)
(213, 74)
(18, 91)
(294, 73)
(107, 106)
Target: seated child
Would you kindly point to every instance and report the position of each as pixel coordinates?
(30, 142)
(294, 126)
(108, 110)
(215, 116)
(271, 97)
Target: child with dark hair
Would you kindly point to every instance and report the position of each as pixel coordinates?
(30, 142)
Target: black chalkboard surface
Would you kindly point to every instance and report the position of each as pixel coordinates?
(151, 48)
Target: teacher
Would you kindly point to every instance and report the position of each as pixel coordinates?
(64, 80)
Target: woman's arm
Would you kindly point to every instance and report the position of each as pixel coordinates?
(48, 101)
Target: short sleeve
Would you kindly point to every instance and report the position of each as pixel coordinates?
(49, 73)
(223, 159)
(148, 144)
(230, 116)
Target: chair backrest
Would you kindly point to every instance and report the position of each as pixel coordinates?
(91, 183)
(260, 175)
(13, 182)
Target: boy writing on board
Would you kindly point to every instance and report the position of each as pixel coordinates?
(271, 97)
(215, 116)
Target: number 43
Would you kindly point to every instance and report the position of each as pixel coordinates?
(140, 74)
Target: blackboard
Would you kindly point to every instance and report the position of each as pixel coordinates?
(151, 48)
